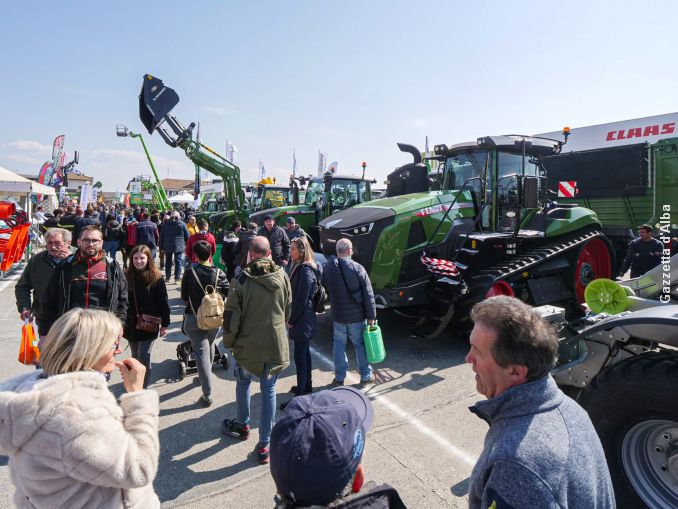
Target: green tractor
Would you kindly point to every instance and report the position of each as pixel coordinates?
(482, 225)
(325, 195)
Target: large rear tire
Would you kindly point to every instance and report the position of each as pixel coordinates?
(593, 261)
(634, 409)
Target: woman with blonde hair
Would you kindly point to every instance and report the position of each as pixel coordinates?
(305, 280)
(69, 442)
(148, 312)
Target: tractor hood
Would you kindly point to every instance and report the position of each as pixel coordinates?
(279, 212)
(422, 204)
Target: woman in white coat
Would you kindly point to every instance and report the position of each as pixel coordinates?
(69, 442)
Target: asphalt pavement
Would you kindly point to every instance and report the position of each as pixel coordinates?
(423, 440)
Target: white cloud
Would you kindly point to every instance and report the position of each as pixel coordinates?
(20, 158)
(30, 146)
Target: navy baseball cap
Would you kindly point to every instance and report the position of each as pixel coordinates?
(268, 216)
(317, 444)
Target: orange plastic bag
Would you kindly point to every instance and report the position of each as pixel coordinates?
(28, 351)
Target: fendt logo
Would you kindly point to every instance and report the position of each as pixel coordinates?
(641, 132)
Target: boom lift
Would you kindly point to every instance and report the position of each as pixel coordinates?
(156, 101)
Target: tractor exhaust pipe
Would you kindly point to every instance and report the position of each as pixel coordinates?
(411, 149)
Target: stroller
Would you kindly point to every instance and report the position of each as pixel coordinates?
(187, 359)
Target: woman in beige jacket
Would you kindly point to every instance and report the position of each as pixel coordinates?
(69, 442)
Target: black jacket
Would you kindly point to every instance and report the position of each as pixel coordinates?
(148, 234)
(149, 301)
(228, 253)
(58, 291)
(35, 277)
(113, 232)
(370, 496)
(305, 280)
(190, 289)
(642, 256)
(241, 248)
(280, 243)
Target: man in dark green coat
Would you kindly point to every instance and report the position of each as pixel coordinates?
(257, 310)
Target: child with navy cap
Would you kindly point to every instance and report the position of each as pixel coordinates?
(316, 448)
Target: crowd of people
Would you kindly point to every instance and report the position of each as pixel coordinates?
(84, 303)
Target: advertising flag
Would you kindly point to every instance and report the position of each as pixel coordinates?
(294, 163)
(262, 171)
(333, 167)
(322, 162)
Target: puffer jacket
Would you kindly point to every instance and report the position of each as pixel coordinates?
(257, 310)
(304, 281)
(356, 304)
(71, 445)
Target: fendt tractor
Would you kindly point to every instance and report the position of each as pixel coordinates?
(627, 172)
(156, 101)
(489, 229)
(325, 195)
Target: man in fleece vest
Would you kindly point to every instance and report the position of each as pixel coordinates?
(541, 449)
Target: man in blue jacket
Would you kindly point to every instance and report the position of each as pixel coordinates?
(541, 449)
(147, 233)
(352, 301)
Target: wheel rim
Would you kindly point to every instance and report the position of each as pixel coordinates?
(645, 460)
(593, 262)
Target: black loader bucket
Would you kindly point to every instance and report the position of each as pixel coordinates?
(155, 102)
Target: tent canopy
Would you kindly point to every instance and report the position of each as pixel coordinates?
(182, 197)
(10, 182)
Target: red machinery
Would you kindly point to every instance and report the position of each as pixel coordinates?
(13, 235)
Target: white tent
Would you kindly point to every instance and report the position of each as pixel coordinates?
(15, 186)
(182, 197)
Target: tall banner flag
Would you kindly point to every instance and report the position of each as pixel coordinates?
(322, 162)
(85, 195)
(262, 171)
(233, 153)
(62, 194)
(294, 163)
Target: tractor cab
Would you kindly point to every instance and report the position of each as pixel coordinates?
(332, 193)
(504, 177)
(267, 196)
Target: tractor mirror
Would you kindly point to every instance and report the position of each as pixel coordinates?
(155, 102)
(530, 192)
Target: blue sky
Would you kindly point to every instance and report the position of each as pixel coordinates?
(348, 78)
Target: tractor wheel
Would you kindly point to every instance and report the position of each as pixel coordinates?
(635, 412)
(593, 260)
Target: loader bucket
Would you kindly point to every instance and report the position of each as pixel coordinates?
(155, 102)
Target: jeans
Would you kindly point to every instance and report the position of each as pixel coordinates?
(203, 351)
(302, 360)
(177, 264)
(141, 351)
(111, 248)
(342, 333)
(242, 397)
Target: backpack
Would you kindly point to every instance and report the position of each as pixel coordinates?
(210, 314)
(320, 297)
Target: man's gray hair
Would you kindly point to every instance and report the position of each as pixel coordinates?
(260, 246)
(66, 235)
(344, 247)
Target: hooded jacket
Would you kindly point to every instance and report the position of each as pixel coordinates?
(257, 310)
(71, 445)
(541, 451)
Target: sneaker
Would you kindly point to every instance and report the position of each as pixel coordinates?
(167, 279)
(263, 453)
(367, 383)
(177, 281)
(293, 389)
(206, 400)
(234, 429)
(337, 383)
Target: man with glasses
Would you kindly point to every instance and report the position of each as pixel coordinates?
(38, 272)
(88, 279)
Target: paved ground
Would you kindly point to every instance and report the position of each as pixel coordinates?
(423, 441)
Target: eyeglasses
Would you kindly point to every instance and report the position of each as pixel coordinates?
(91, 241)
(119, 344)
(116, 345)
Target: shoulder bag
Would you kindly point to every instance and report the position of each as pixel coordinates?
(145, 323)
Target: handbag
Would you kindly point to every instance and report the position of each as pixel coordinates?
(145, 323)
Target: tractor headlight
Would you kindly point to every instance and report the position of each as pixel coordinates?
(360, 229)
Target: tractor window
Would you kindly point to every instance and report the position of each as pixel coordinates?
(314, 192)
(463, 166)
(346, 193)
(509, 164)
